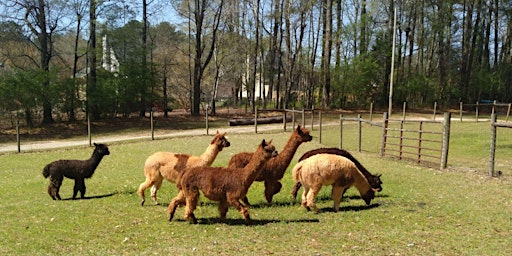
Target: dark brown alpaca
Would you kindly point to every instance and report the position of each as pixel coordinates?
(274, 169)
(79, 170)
(225, 185)
(374, 180)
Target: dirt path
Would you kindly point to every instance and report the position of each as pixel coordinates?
(54, 144)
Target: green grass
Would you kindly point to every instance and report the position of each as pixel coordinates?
(421, 211)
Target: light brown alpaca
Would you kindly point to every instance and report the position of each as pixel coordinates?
(328, 169)
(168, 165)
(274, 169)
(225, 185)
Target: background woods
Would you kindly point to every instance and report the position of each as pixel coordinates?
(59, 59)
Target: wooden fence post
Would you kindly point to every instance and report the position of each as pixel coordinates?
(303, 119)
(312, 117)
(508, 112)
(476, 112)
(460, 110)
(255, 120)
(371, 111)
(384, 131)
(492, 153)
(446, 140)
(359, 132)
(403, 111)
(153, 127)
(435, 109)
(341, 131)
(320, 132)
(18, 141)
(89, 129)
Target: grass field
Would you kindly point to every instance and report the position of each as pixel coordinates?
(421, 210)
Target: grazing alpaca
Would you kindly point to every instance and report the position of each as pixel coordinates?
(328, 169)
(374, 180)
(168, 165)
(274, 169)
(225, 185)
(79, 170)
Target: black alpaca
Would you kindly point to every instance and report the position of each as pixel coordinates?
(79, 170)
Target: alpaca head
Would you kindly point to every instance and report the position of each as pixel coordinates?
(101, 149)
(375, 182)
(303, 134)
(368, 196)
(268, 149)
(220, 141)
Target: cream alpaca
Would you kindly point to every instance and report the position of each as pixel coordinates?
(328, 169)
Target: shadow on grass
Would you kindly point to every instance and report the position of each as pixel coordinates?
(241, 222)
(351, 208)
(90, 197)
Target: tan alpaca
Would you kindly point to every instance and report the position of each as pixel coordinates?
(225, 185)
(328, 169)
(274, 169)
(168, 165)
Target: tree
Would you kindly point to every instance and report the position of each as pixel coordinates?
(200, 13)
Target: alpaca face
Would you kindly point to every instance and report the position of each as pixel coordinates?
(269, 149)
(369, 196)
(375, 182)
(304, 134)
(101, 149)
(221, 141)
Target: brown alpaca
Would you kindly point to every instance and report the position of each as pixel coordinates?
(328, 169)
(168, 165)
(274, 169)
(374, 180)
(225, 185)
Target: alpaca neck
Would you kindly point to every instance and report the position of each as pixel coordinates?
(94, 161)
(210, 154)
(360, 182)
(254, 167)
(286, 155)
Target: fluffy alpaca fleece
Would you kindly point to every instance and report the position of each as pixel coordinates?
(274, 169)
(79, 170)
(374, 180)
(225, 185)
(168, 165)
(328, 169)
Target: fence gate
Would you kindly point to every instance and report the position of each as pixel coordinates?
(494, 126)
(420, 140)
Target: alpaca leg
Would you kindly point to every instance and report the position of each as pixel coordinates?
(142, 188)
(54, 187)
(310, 198)
(79, 186)
(156, 186)
(245, 200)
(337, 194)
(179, 200)
(271, 188)
(295, 189)
(242, 209)
(223, 210)
(192, 198)
(304, 200)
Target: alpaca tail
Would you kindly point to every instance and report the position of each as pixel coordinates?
(46, 171)
(296, 172)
